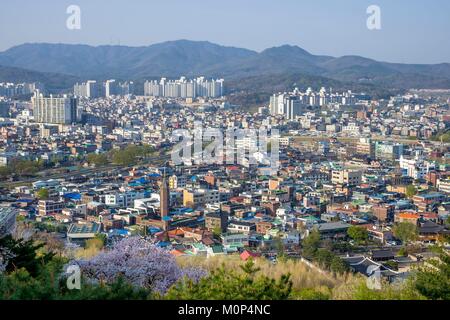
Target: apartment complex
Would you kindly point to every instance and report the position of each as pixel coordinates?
(184, 88)
(55, 110)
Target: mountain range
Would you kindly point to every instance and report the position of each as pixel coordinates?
(59, 65)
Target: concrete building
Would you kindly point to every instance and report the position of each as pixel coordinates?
(350, 177)
(54, 110)
(192, 198)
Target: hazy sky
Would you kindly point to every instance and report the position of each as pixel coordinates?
(412, 31)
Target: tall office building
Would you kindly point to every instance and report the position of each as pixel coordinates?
(54, 110)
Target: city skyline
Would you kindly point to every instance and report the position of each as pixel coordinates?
(401, 38)
(203, 151)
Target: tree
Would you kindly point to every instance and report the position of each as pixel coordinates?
(433, 281)
(97, 159)
(358, 233)
(311, 243)
(323, 257)
(224, 284)
(405, 231)
(42, 194)
(403, 252)
(140, 262)
(411, 191)
(281, 255)
(338, 265)
(17, 254)
(50, 285)
(217, 231)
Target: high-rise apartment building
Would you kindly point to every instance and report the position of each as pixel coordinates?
(111, 88)
(91, 89)
(183, 88)
(56, 110)
(287, 105)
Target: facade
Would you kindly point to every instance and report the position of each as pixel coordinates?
(192, 198)
(46, 207)
(17, 89)
(241, 227)
(122, 199)
(111, 88)
(444, 185)
(91, 89)
(214, 221)
(290, 106)
(350, 177)
(183, 88)
(54, 110)
(388, 151)
(426, 202)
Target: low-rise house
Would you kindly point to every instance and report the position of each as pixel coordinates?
(332, 230)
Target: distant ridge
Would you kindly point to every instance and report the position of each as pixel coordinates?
(193, 58)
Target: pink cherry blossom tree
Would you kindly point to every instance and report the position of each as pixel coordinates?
(140, 262)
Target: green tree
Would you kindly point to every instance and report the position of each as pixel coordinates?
(23, 254)
(48, 285)
(35, 275)
(338, 265)
(42, 194)
(97, 159)
(224, 284)
(433, 280)
(311, 243)
(406, 291)
(358, 233)
(323, 257)
(411, 191)
(405, 231)
(4, 172)
(403, 252)
(217, 232)
(281, 255)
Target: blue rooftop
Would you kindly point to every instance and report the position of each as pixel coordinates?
(73, 196)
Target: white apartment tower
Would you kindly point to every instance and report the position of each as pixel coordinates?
(55, 110)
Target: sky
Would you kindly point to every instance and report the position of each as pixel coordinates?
(412, 31)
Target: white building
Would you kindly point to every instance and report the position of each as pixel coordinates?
(54, 110)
